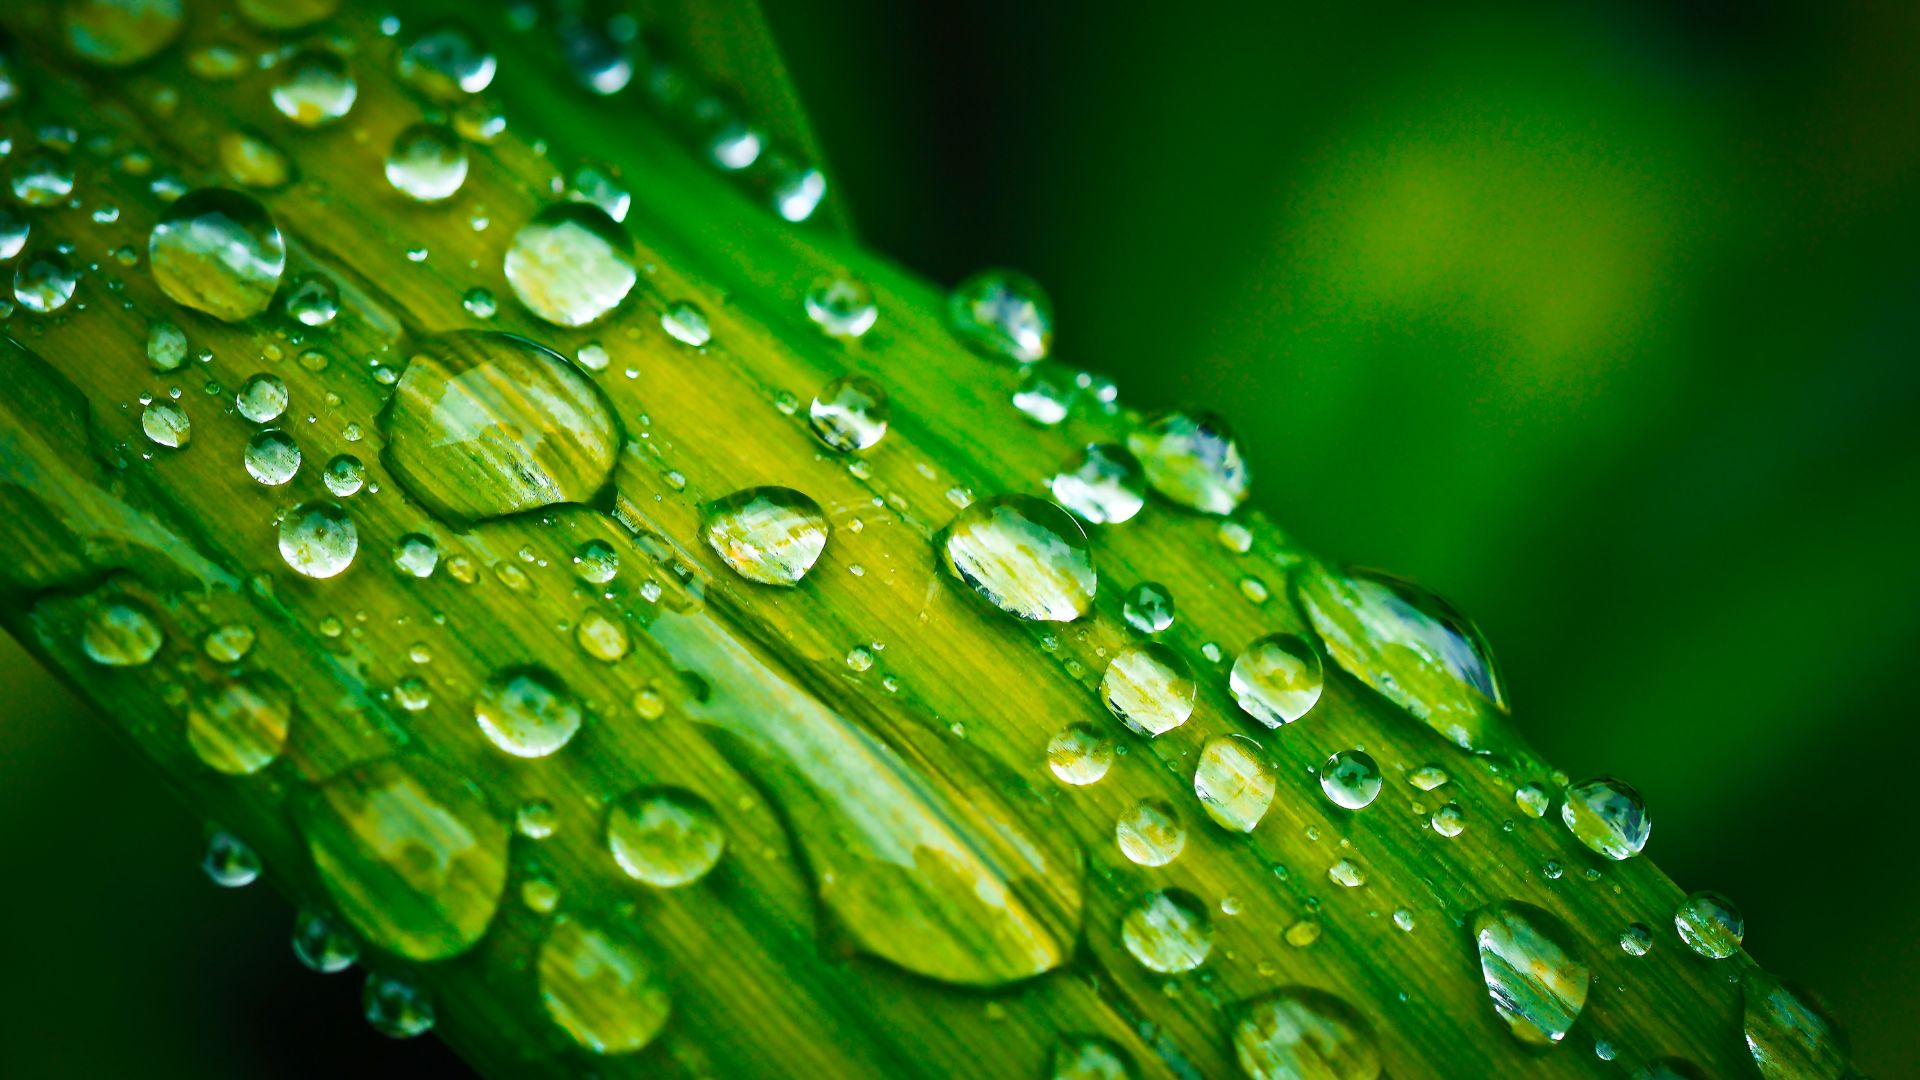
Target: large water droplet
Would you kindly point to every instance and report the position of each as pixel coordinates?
(117, 33)
(1026, 556)
(1710, 925)
(527, 711)
(1002, 314)
(1168, 931)
(1192, 459)
(1277, 680)
(772, 535)
(599, 989)
(1300, 1033)
(572, 264)
(396, 1007)
(1788, 1034)
(445, 63)
(1104, 489)
(409, 852)
(315, 88)
(1149, 688)
(238, 727)
(44, 281)
(1235, 782)
(1150, 833)
(218, 251)
(1532, 969)
(1409, 645)
(318, 539)
(121, 632)
(166, 424)
(850, 413)
(428, 163)
(483, 424)
(1350, 779)
(665, 837)
(1608, 816)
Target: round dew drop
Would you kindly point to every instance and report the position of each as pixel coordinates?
(572, 264)
(119, 33)
(841, 307)
(44, 281)
(1533, 972)
(527, 711)
(1300, 1033)
(1608, 816)
(1150, 688)
(1710, 925)
(1350, 779)
(239, 727)
(396, 1007)
(850, 413)
(428, 163)
(323, 943)
(1106, 488)
(1168, 932)
(1194, 460)
(166, 424)
(1090, 1057)
(218, 251)
(446, 63)
(1277, 680)
(262, 398)
(229, 862)
(121, 633)
(665, 837)
(1079, 755)
(315, 88)
(1234, 782)
(597, 986)
(272, 457)
(1002, 314)
(318, 540)
(1148, 608)
(1150, 833)
(1023, 555)
(769, 535)
(686, 324)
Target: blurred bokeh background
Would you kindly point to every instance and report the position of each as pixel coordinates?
(1599, 318)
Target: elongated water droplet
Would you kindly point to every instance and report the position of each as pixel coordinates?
(1299, 1033)
(318, 539)
(1532, 969)
(1277, 680)
(850, 413)
(572, 264)
(315, 88)
(397, 1007)
(1350, 779)
(1410, 646)
(1024, 555)
(1710, 925)
(665, 837)
(527, 711)
(428, 163)
(1168, 931)
(118, 33)
(44, 281)
(598, 987)
(1148, 607)
(445, 63)
(1192, 459)
(841, 307)
(410, 854)
(121, 632)
(218, 251)
(1149, 688)
(239, 727)
(1104, 489)
(272, 457)
(1788, 1034)
(1608, 816)
(1002, 314)
(772, 535)
(1235, 782)
(1079, 755)
(1090, 1057)
(1150, 833)
(483, 424)
(323, 943)
(229, 862)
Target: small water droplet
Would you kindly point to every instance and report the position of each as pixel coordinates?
(1106, 488)
(1235, 782)
(315, 88)
(428, 163)
(240, 726)
(1303, 933)
(1710, 925)
(527, 711)
(445, 63)
(772, 535)
(218, 251)
(1149, 607)
(312, 300)
(1047, 392)
(1299, 1033)
(1789, 1035)
(596, 563)
(665, 837)
(397, 1007)
(272, 457)
(1149, 688)
(1350, 779)
(1450, 820)
(323, 943)
(572, 264)
(597, 986)
(1404, 920)
(318, 539)
(1533, 800)
(1168, 931)
(841, 307)
(1608, 816)
(229, 862)
(1532, 969)
(1192, 459)
(1277, 679)
(1079, 755)
(1024, 555)
(850, 413)
(686, 323)
(1150, 833)
(1427, 777)
(1636, 939)
(1002, 314)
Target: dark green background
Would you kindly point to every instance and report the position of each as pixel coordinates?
(1600, 319)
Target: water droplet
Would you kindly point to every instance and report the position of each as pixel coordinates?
(1450, 820)
(1192, 459)
(1347, 873)
(1350, 779)
(527, 711)
(1090, 1057)
(1104, 489)
(252, 160)
(344, 475)
(229, 862)
(1303, 933)
(1788, 1034)
(1404, 920)
(602, 638)
(315, 88)
(1277, 680)
(841, 307)
(1409, 645)
(119, 33)
(121, 632)
(665, 837)
(596, 563)
(483, 424)
(445, 63)
(166, 424)
(262, 398)
(318, 539)
(410, 854)
(1532, 969)
(228, 644)
(1427, 777)
(1533, 800)
(597, 59)
(1150, 833)
(323, 943)
(1235, 782)
(1149, 607)
(798, 188)
(286, 14)
(1046, 392)
(1079, 755)
(272, 457)
(850, 413)
(571, 264)
(42, 179)
(397, 1008)
(218, 251)
(239, 727)
(1608, 816)
(1168, 931)
(312, 300)
(1710, 925)
(772, 535)
(686, 324)
(1149, 688)
(1299, 1033)
(599, 989)
(428, 163)
(1024, 555)
(416, 555)
(600, 184)
(44, 281)
(1636, 939)
(1002, 314)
